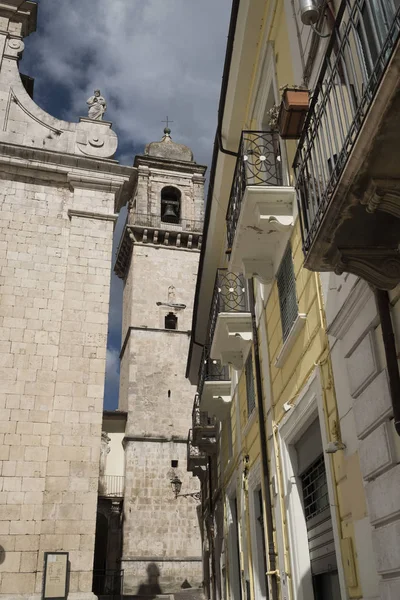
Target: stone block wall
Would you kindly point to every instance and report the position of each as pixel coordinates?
(54, 296)
(366, 423)
(159, 529)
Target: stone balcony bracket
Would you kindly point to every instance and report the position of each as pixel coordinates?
(232, 337)
(265, 221)
(216, 398)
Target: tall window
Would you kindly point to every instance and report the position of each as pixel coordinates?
(287, 292)
(250, 392)
(170, 205)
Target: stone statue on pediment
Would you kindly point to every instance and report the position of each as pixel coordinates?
(97, 106)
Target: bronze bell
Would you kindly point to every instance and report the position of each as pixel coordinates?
(170, 211)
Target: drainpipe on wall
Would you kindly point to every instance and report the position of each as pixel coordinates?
(389, 342)
(210, 529)
(266, 490)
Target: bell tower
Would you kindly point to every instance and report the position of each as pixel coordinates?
(158, 261)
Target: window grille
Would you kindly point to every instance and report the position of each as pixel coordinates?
(315, 489)
(287, 292)
(251, 398)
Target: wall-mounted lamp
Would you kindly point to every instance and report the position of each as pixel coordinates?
(310, 12)
(176, 485)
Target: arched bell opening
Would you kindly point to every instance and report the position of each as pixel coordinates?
(170, 205)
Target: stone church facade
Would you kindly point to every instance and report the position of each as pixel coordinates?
(60, 192)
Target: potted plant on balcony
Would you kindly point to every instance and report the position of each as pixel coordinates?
(292, 112)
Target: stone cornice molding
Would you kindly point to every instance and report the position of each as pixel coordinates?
(150, 329)
(156, 559)
(176, 167)
(83, 214)
(59, 162)
(94, 182)
(153, 438)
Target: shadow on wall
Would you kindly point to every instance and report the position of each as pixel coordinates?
(152, 587)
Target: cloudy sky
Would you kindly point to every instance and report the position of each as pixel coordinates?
(150, 58)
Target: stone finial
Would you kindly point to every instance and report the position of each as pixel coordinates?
(97, 106)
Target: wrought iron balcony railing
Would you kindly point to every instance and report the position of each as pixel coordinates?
(361, 45)
(258, 164)
(211, 370)
(111, 486)
(230, 296)
(201, 418)
(156, 222)
(195, 456)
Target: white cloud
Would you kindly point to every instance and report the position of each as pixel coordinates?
(149, 58)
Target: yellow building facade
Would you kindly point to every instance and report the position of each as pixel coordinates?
(284, 499)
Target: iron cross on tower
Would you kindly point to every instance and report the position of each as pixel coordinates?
(167, 121)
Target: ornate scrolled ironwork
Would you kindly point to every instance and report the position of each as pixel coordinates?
(361, 45)
(201, 418)
(258, 163)
(230, 295)
(211, 370)
(194, 452)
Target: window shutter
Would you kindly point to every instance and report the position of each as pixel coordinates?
(287, 292)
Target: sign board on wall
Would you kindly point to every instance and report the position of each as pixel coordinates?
(55, 580)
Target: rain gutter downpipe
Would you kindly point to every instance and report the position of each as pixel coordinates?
(383, 306)
(272, 572)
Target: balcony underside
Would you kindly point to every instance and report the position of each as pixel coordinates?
(205, 437)
(196, 463)
(360, 229)
(232, 336)
(216, 398)
(199, 471)
(265, 222)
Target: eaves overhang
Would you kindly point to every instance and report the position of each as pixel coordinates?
(240, 59)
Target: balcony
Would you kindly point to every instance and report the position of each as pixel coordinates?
(260, 211)
(111, 486)
(348, 157)
(145, 228)
(197, 460)
(155, 222)
(205, 429)
(230, 320)
(214, 386)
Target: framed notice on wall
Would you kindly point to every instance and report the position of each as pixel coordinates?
(55, 577)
